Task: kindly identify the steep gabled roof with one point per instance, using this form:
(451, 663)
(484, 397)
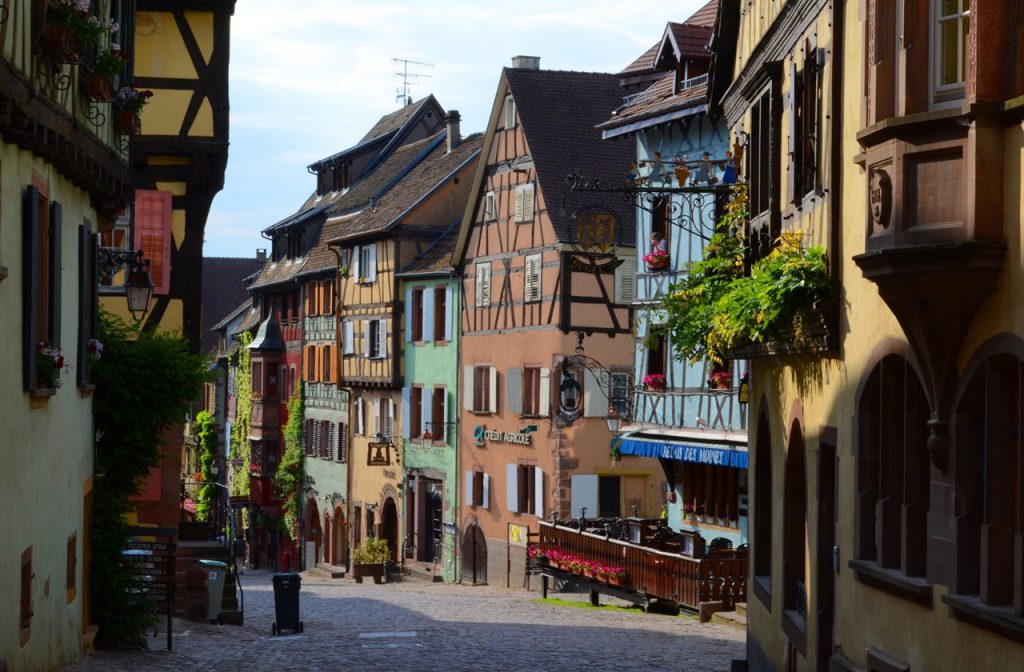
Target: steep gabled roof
(222, 289)
(643, 63)
(436, 259)
(705, 16)
(559, 111)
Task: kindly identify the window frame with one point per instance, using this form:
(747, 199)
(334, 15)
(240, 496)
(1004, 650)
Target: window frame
(490, 207)
(510, 112)
(947, 95)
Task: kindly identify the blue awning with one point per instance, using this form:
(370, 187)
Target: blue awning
(683, 450)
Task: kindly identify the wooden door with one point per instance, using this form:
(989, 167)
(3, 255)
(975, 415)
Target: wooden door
(474, 555)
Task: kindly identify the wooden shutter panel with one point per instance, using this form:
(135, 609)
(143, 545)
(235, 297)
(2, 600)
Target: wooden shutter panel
(544, 403)
(595, 404)
(29, 284)
(84, 294)
(444, 414)
(514, 386)
(468, 387)
(153, 235)
(625, 281)
(538, 492)
(492, 396)
(512, 488)
(406, 411)
(485, 498)
(448, 314)
(520, 204)
(469, 488)
(428, 314)
(528, 203)
(342, 442)
(355, 262)
(371, 272)
(408, 314)
(382, 335)
(792, 149)
(583, 493)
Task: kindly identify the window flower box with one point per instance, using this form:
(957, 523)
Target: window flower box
(127, 123)
(657, 260)
(720, 380)
(60, 44)
(97, 87)
(654, 382)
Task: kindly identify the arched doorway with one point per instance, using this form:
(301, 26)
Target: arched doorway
(328, 553)
(389, 526)
(313, 533)
(340, 537)
(474, 554)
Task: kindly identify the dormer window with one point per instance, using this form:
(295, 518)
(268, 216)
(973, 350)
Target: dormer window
(340, 177)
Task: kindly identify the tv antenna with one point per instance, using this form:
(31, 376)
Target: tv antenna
(408, 78)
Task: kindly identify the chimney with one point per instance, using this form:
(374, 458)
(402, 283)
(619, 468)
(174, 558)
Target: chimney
(261, 254)
(526, 62)
(451, 124)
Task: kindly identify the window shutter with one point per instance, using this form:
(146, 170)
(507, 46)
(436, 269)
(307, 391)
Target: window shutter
(153, 228)
(359, 417)
(30, 284)
(408, 315)
(583, 493)
(520, 209)
(514, 386)
(492, 397)
(382, 334)
(350, 336)
(595, 404)
(55, 273)
(485, 498)
(391, 417)
(448, 314)
(426, 409)
(469, 488)
(355, 262)
(333, 349)
(468, 387)
(406, 407)
(544, 403)
(512, 488)
(85, 283)
(366, 338)
(791, 190)
(342, 442)
(377, 429)
(428, 314)
(538, 492)
(527, 203)
(444, 414)
(625, 280)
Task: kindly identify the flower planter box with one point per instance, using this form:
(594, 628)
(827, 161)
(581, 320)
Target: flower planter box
(614, 580)
(127, 123)
(97, 87)
(654, 388)
(60, 44)
(661, 264)
(361, 571)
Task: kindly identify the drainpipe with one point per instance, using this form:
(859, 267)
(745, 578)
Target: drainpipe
(456, 332)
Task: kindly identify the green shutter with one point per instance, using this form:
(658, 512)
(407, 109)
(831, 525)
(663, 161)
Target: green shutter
(55, 274)
(29, 283)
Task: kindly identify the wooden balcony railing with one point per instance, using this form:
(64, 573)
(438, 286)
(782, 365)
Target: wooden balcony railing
(657, 574)
(712, 410)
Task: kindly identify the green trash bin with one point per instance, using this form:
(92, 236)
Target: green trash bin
(216, 575)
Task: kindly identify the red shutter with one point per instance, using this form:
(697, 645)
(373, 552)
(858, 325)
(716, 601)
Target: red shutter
(153, 235)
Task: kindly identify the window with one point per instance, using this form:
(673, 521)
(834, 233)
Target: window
(531, 273)
(439, 414)
(490, 211)
(328, 305)
(609, 494)
(893, 470)
(417, 314)
(762, 511)
(365, 268)
(342, 454)
(510, 112)
(415, 412)
(375, 339)
(484, 392)
(528, 390)
(524, 203)
(804, 125)
(483, 284)
(478, 486)
(525, 492)
(661, 217)
(118, 238)
(531, 390)
(152, 213)
(441, 320)
(989, 426)
(618, 392)
(657, 350)
(41, 222)
(763, 172)
(308, 437)
(952, 19)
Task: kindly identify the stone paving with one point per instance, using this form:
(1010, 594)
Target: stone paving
(414, 625)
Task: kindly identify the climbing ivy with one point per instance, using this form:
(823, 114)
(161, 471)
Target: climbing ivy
(207, 445)
(289, 476)
(243, 410)
(145, 383)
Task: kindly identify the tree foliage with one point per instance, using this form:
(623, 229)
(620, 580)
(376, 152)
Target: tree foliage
(243, 413)
(207, 446)
(145, 383)
(289, 476)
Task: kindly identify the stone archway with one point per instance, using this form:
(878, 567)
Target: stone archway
(339, 542)
(328, 552)
(313, 531)
(389, 526)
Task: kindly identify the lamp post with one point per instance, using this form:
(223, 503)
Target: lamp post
(570, 393)
(138, 286)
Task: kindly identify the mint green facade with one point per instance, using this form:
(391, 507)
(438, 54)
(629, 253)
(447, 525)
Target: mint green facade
(432, 487)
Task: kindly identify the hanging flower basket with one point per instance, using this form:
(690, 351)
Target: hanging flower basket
(60, 43)
(97, 87)
(127, 123)
(682, 174)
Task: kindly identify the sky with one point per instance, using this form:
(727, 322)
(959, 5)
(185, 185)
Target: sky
(308, 78)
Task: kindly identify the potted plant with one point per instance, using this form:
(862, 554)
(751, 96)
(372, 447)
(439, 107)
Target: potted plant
(98, 79)
(656, 260)
(368, 559)
(49, 362)
(720, 380)
(689, 511)
(129, 103)
(611, 575)
(69, 28)
(654, 381)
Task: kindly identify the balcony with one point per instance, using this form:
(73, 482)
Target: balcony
(652, 573)
(320, 328)
(325, 395)
(714, 410)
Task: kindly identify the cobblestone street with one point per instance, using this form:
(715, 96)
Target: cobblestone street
(416, 625)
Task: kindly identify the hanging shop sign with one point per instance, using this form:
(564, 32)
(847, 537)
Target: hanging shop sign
(378, 454)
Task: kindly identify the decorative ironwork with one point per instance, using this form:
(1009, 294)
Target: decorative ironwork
(54, 72)
(113, 259)
(570, 394)
(95, 116)
(696, 212)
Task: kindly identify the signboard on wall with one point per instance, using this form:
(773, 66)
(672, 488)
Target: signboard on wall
(378, 455)
(517, 534)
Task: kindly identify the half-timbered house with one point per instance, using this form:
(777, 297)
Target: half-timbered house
(684, 161)
(299, 285)
(532, 294)
(415, 198)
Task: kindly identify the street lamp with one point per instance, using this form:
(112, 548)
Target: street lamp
(614, 419)
(138, 286)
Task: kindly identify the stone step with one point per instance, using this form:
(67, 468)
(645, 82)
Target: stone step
(730, 618)
(333, 571)
(741, 609)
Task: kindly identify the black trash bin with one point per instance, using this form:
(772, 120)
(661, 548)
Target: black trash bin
(286, 603)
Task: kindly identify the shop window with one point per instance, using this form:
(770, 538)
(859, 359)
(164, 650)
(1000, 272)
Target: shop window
(711, 494)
